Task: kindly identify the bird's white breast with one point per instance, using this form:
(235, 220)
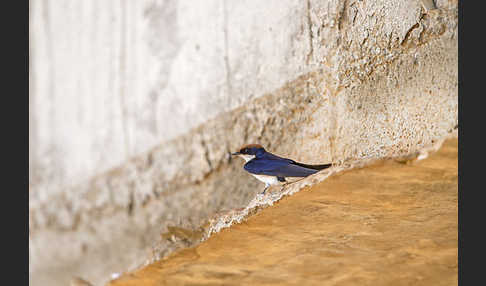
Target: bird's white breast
(247, 157)
(271, 180)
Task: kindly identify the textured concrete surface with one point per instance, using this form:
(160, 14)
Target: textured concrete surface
(133, 108)
(387, 224)
(112, 79)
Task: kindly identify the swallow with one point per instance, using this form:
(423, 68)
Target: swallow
(272, 169)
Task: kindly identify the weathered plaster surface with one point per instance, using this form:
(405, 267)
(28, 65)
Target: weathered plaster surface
(134, 107)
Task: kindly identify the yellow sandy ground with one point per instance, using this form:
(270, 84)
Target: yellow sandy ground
(386, 224)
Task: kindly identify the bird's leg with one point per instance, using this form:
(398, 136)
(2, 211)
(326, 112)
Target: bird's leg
(289, 183)
(284, 185)
(264, 190)
(299, 180)
(282, 180)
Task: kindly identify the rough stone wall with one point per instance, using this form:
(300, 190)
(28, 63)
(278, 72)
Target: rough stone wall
(165, 89)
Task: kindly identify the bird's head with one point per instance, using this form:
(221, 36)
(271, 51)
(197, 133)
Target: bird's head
(249, 151)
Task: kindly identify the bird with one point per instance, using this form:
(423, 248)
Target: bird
(272, 169)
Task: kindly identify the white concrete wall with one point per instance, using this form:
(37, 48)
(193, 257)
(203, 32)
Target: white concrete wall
(110, 79)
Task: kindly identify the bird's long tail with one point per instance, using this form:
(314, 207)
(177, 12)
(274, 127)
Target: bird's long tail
(314, 167)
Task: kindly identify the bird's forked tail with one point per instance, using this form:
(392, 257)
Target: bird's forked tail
(314, 167)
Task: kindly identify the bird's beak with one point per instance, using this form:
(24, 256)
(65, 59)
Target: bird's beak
(236, 153)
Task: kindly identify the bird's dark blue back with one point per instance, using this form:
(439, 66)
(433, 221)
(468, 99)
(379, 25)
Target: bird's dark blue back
(270, 156)
(272, 165)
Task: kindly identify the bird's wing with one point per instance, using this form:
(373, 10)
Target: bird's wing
(271, 156)
(279, 168)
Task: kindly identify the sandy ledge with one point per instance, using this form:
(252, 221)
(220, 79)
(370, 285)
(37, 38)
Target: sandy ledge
(392, 223)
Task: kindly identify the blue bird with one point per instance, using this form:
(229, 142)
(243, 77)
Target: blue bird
(272, 169)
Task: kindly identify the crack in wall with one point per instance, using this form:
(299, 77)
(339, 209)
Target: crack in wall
(226, 50)
(123, 71)
(407, 35)
(310, 55)
(206, 153)
(342, 14)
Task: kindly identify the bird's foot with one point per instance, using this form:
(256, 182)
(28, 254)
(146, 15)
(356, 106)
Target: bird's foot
(264, 190)
(284, 186)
